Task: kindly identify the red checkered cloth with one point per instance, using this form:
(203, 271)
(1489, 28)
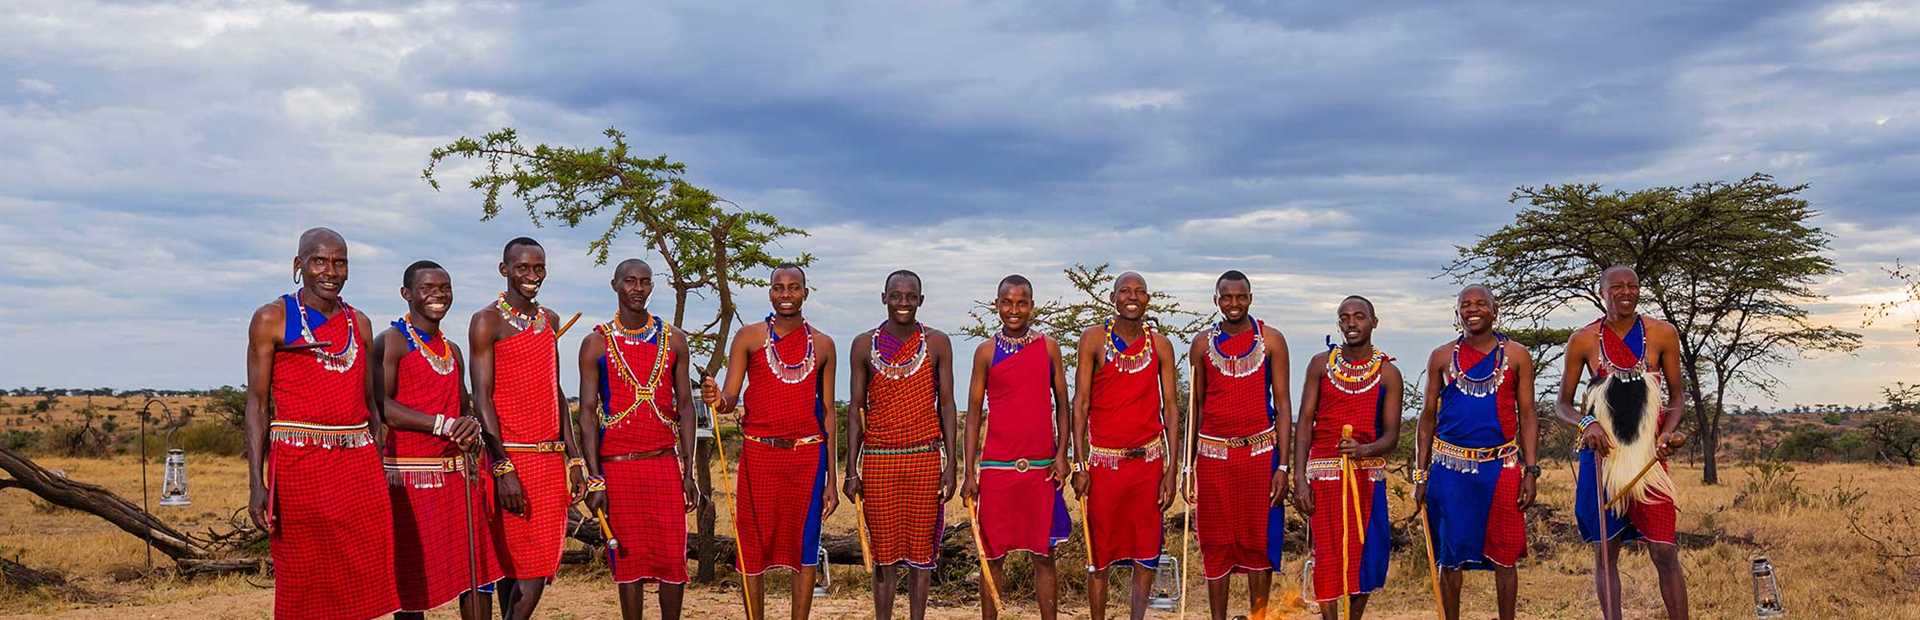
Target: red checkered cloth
(431, 527)
(776, 510)
(332, 543)
(902, 491)
(1123, 501)
(1337, 409)
(645, 502)
(525, 397)
(1234, 511)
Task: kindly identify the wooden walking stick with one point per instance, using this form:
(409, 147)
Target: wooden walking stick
(1346, 488)
(980, 551)
(1187, 475)
(569, 325)
(1600, 510)
(473, 544)
(1433, 566)
(1644, 470)
(733, 506)
(859, 513)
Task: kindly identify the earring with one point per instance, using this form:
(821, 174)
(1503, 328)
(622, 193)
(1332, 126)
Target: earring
(296, 276)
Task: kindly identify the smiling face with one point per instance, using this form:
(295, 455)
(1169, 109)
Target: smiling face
(787, 291)
(1015, 305)
(1620, 291)
(902, 298)
(430, 294)
(1130, 296)
(632, 285)
(1233, 297)
(525, 268)
(1477, 310)
(1357, 321)
(322, 265)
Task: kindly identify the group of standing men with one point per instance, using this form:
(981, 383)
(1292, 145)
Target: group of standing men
(392, 488)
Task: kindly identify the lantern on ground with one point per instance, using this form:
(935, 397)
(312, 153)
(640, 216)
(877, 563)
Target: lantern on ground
(1766, 590)
(1167, 588)
(173, 483)
(823, 578)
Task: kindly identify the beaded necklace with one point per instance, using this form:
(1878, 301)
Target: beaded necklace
(442, 362)
(1010, 345)
(519, 321)
(789, 373)
(643, 393)
(1342, 372)
(1129, 362)
(902, 370)
(1237, 366)
(335, 362)
(1623, 373)
(1479, 387)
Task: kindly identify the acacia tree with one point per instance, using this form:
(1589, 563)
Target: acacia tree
(1895, 433)
(1063, 320)
(707, 245)
(1730, 264)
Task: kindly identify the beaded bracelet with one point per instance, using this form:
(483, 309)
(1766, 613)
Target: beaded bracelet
(439, 425)
(596, 484)
(1419, 476)
(1587, 421)
(502, 468)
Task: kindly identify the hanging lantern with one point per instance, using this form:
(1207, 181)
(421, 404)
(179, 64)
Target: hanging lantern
(823, 578)
(1306, 583)
(1766, 590)
(1167, 589)
(173, 484)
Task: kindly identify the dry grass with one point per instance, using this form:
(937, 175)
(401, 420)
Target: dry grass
(1799, 519)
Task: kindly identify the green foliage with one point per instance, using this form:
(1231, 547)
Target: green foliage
(1894, 435)
(707, 244)
(1064, 320)
(230, 404)
(209, 437)
(1731, 265)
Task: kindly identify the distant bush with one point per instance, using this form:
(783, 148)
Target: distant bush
(1834, 418)
(1806, 442)
(206, 437)
(18, 439)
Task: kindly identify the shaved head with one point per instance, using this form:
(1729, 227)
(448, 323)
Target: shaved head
(631, 263)
(1479, 288)
(1617, 271)
(1131, 275)
(314, 237)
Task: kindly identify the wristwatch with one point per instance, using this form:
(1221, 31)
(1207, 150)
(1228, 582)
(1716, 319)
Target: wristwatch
(1533, 470)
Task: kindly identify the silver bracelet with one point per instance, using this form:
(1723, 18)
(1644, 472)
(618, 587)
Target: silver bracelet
(440, 425)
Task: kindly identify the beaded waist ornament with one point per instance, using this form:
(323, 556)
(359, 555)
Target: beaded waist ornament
(1018, 465)
(1375, 468)
(934, 445)
(421, 472)
(1110, 457)
(1468, 460)
(302, 434)
(785, 443)
(535, 447)
(1216, 447)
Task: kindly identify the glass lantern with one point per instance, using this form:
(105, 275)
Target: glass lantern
(1766, 590)
(1167, 589)
(823, 578)
(173, 483)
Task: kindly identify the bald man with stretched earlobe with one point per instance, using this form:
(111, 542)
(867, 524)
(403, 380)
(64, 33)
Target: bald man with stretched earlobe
(314, 471)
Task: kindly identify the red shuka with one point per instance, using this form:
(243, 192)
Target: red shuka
(1234, 513)
(645, 501)
(901, 461)
(1123, 497)
(430, 524)
(776, 510)
(526, 393)
(332, 542)
(1019, 424)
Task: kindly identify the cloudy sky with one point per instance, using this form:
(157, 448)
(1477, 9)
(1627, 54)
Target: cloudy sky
(157, 161)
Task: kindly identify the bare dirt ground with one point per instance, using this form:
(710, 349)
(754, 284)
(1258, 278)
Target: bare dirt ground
(1800, 519)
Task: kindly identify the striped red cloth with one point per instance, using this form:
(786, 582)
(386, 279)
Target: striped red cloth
(777, 509)
(902, 491)
(430, 524)
(645, 502)
(1123, 498)
(525, 397)
(1234, 515)
(332, 543)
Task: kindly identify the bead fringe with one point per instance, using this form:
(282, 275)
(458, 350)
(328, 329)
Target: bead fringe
(328, 440)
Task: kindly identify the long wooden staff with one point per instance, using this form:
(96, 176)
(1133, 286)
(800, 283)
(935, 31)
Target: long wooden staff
(1187, 471)
(1433, 567)
(733, 506)
(980, 551)
(1346, 467)
(569, 325)
(859, 513)
(473, 544)
(1643, 473)
(1600, 510)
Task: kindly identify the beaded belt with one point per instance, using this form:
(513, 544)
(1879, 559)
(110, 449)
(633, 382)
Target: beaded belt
(1217, 447)
(537, 447)
(786, 444)
(1329, 469)
(635, 456)
(931, 445)
(303, 434)
(1468, 460)
(1019, 465)
(421, 472)
(1110, 457)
